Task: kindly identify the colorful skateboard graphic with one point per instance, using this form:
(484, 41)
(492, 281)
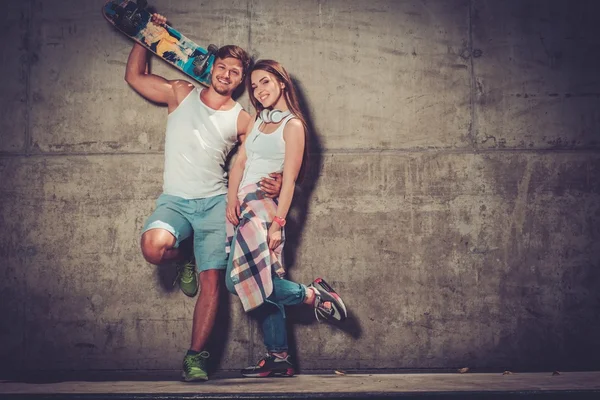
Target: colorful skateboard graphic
(133, 20)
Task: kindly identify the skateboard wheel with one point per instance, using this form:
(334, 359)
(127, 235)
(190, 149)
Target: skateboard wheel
(199, 70)
(130, 25)
(200, 60)
(212, 49)
(142, 3)
(200, 64)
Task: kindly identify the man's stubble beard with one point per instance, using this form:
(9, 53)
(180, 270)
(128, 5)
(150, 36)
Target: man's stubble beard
(222, 92)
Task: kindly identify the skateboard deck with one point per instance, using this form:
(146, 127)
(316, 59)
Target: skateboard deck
(133, 19)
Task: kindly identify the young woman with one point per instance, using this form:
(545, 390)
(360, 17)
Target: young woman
(255, 224)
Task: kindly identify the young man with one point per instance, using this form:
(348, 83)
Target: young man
(202, 128)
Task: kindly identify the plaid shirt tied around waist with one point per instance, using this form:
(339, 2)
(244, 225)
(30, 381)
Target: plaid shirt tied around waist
(253, 261)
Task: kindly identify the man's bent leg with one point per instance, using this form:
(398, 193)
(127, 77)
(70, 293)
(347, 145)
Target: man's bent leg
(158, 246)
(165, 229)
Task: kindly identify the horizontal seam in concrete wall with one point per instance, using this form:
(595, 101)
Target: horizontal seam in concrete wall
(330, 152)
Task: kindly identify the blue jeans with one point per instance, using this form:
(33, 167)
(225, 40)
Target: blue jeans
(271, 314)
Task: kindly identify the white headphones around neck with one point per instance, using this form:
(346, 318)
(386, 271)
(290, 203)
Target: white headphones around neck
(274, 116)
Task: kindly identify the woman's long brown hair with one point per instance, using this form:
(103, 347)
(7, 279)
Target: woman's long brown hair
(291, 99)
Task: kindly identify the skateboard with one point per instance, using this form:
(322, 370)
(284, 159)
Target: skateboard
(133, 19)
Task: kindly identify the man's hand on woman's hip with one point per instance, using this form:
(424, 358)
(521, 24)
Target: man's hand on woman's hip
(272, 185)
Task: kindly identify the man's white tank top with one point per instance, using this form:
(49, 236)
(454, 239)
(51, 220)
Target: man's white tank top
(197, 143)
(265, 153)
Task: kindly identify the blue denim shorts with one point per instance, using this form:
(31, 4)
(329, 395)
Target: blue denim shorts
(202, 218)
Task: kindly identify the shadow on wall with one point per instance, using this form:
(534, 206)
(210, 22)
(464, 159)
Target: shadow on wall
(296, 222)
(301, 203)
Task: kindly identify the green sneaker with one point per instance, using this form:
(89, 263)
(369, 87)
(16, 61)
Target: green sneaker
(187, 278)
(194, 367)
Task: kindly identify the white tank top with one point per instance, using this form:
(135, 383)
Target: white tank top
(265, 153)
(197, 143)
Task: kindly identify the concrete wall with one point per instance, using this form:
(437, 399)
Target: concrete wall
(454, 198)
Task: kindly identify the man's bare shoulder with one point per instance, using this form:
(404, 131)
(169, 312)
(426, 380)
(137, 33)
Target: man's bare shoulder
(181, 88)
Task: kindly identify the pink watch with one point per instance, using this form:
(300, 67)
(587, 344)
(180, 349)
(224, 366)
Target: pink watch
(280, 221)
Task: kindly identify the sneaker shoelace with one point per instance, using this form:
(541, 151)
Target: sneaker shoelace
(319, 305)
(200, 358)
(262, 361)
(185, 272)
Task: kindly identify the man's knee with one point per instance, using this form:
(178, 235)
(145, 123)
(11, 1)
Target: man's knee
(154, 243)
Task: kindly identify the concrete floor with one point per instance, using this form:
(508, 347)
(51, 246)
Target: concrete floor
(568, 385)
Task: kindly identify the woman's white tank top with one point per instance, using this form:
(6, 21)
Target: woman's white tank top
(265, 153)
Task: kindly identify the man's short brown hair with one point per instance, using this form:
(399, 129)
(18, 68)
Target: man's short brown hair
(233, 51)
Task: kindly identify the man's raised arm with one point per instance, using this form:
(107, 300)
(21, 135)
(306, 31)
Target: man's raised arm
(153, 87)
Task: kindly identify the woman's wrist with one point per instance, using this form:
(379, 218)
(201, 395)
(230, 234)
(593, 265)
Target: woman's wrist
(279, 221)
